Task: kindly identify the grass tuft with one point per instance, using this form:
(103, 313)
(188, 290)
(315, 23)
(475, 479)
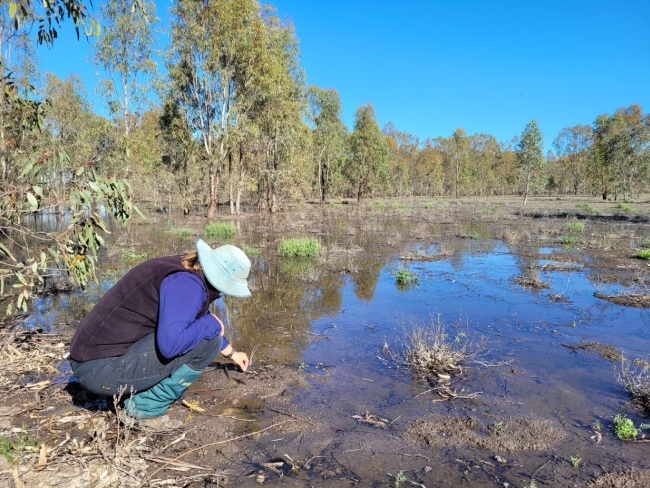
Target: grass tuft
(222, 230)
(588, 208)
(643, 254)
(430, 349)
(184, 233)
(129, 255)
(625, 208)
(634, 376)
(406, 277)
(303, 247)
(575, 226)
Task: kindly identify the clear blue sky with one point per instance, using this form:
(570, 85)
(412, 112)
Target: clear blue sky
(433, 66)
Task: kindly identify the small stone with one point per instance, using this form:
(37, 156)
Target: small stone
(428, 469)
(501, 460)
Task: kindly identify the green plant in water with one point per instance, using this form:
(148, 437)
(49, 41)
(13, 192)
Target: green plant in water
(302, 367)
(184, 233)
(303, 247)
(400, 479)
(624, 428)
(569, 240)
(428, 205)
(405, 277)
(575, 461)
(588, 208)
(643, 254)
(250, 251)
(575, 226)
(222, 230)
(131, 255)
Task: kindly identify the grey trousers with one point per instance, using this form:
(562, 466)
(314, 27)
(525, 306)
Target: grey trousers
(141, 367)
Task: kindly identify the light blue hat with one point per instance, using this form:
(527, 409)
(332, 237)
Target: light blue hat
(225, 267)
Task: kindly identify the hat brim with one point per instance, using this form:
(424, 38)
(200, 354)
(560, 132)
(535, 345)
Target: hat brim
(217, 275)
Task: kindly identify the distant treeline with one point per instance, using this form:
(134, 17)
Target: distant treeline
(238, 124)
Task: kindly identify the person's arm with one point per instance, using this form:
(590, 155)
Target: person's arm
(182, 296)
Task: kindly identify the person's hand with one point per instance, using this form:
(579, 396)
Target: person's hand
(220, 323)
(240, 359)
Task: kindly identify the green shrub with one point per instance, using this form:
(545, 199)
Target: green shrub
(428, 205)
(575, 226)
(569, 240)
(643, 254)
(624, 428)
(304, 247)
(222, 230)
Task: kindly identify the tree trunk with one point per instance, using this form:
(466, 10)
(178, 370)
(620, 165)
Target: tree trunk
(214, 183)
(230, 184)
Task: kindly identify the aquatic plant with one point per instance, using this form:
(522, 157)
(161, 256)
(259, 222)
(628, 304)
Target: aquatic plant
(575, 461)
(643, 254)
(222, 230)
(184, 233)
(304, 247)
(575, 226)
(624, 428)
(569, 240)
(406, 277)
(250, 251)
(129, 255)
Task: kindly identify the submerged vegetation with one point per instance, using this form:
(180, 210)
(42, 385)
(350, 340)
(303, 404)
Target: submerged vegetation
(624, 428)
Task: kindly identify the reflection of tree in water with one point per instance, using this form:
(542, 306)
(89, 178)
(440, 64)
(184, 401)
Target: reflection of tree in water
(288, 296)
(366, 279)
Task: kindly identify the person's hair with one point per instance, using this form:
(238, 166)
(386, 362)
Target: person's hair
(190, 261)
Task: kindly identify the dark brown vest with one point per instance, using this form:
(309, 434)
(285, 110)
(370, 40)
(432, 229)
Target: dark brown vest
(128, 311)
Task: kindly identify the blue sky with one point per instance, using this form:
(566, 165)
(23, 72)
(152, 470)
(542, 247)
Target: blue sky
(433, 66)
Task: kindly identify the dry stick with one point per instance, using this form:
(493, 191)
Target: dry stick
(215, 444)
(292, 416)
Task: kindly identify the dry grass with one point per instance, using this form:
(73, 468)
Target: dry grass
(634, 376)
(432, 349)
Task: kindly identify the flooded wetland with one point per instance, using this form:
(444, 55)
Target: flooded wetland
(544, 311)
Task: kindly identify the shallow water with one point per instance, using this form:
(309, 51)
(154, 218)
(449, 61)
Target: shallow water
(331, 317)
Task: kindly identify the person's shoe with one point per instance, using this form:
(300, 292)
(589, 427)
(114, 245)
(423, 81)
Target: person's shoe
(154, 402)
(159, 424)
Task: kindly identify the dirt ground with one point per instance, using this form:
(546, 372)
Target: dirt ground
(246, 429)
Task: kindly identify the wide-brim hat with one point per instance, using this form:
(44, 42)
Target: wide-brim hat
(226, 268)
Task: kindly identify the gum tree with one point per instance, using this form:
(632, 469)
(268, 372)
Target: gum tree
(530, 159)
(28, 258)
(328, 135)
(367, 169)
(125, 53)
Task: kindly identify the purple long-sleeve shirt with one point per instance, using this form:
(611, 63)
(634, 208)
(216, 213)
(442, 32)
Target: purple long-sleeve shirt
(182, 296)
